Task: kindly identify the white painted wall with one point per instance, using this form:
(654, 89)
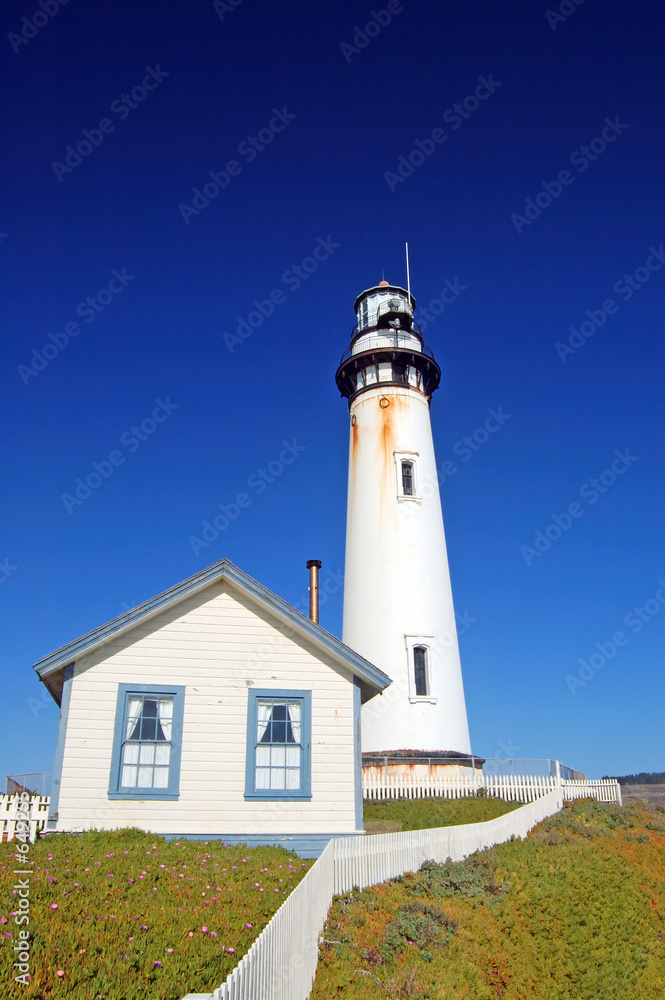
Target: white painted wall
(397, 584)
(217, 644)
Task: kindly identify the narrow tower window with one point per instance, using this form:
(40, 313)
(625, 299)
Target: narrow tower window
(407, 479)
(420, 670)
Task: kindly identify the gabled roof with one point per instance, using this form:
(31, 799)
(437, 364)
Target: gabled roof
(372, 680)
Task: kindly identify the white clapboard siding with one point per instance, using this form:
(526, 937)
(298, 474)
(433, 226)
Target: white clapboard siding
(219, 645)
(281, 964)
(37, 810)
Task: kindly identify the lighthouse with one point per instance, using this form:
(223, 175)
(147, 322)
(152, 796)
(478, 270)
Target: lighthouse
(398, 604)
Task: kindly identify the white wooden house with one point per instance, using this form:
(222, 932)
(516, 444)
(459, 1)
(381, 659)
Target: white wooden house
(214, 710)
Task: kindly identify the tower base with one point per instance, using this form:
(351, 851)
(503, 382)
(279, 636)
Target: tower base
(422, 764)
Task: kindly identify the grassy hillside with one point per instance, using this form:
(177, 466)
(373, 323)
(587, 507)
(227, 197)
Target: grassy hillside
(575, 912)
(423, 814)
(126, 915)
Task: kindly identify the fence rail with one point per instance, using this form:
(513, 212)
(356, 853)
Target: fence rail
(37, 809)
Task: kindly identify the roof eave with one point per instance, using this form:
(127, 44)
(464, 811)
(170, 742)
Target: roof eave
(372, 679)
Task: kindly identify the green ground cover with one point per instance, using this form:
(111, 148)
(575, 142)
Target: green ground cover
(574, 912)
(423, 814)
(125, 915)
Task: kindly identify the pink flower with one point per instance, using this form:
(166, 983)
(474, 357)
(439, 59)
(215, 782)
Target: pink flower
(204, 929)
(3, 920)
(54, 906)
(248, 926)
(60, 973)
(143, 927)
(213, 934)
(231, 951)
(256, 884)
(130, 939)
(169, 951)
(158, 965)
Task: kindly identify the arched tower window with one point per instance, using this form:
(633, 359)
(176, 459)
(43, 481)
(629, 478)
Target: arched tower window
(407, 479)
(420, 671)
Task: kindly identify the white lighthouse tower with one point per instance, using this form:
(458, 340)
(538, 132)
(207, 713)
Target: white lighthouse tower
(398, 604)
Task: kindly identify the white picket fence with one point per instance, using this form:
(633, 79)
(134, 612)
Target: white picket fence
(37, 812)
(511, 787)
(604, 790)
(281, 964)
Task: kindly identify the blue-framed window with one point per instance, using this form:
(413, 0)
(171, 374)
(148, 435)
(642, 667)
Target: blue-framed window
(147, 742)
(279, 734)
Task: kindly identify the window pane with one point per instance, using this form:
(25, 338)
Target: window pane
(161, 777)
(162, 753)
(278, 756)
(129, 777)
(420, 670)
(145, 777)
(407, 479)
(147, 753)
(263, 777)
(276, 778)
(148, 728)
(293, 777)
(293, 756)
(130, 753)
(263, 756)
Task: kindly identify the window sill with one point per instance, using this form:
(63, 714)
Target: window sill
(423, 699)
(402, 499)
(275, 795)
(144, 793)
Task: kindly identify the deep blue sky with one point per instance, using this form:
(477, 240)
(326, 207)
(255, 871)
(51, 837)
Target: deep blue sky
(323, 176)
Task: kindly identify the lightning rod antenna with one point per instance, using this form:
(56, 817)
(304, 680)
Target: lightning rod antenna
(408, 279)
